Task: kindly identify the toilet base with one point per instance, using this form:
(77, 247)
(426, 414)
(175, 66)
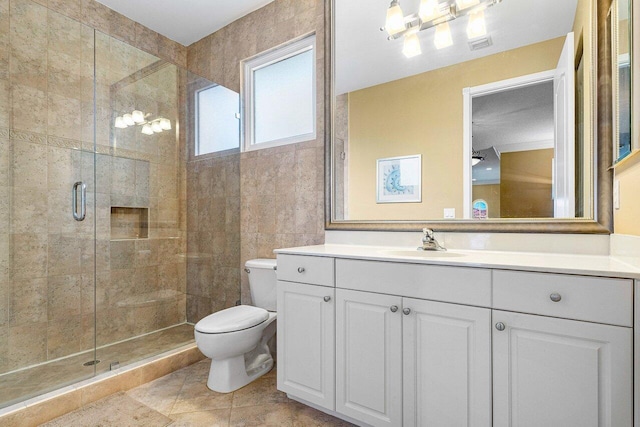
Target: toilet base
(230, 374)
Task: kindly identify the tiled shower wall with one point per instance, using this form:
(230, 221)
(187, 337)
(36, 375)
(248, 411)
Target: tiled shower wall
(46, 143)
(281, 189)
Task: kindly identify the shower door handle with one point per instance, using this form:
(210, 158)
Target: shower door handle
(79, 216)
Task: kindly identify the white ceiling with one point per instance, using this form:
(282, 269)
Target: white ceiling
(364, 56)
(185, 21)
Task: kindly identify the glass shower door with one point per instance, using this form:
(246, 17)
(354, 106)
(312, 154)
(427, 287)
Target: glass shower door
(46, 147)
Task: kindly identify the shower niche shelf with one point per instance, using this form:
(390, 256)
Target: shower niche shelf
(129, 223)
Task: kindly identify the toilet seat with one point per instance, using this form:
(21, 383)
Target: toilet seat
(232, 320)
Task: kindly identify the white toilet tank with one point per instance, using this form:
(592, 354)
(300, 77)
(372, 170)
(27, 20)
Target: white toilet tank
(262, 282)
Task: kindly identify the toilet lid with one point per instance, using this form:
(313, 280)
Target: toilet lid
(232, 319)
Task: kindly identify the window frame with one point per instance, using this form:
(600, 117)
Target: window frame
(248, 66)
(196, 117)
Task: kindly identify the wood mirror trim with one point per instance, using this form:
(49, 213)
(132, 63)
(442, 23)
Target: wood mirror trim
(603, 222)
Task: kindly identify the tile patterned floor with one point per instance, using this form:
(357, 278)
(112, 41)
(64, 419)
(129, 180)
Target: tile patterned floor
(182, 399)
(20, 385)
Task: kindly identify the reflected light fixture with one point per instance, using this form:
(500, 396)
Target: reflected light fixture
(435, 13)
(476, 27)
(476, 157)
(165, 124)
(395, 19)
(155, 126)
(137, 116)
(147, 130)
(443, 38)
(128, 120)
(411, 45)
(120, 124)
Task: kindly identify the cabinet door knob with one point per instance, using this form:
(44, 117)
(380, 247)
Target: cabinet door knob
(301, 270)
(500, 326)
(406, 311)
(393, 308)
(555, 297)
(327, 299)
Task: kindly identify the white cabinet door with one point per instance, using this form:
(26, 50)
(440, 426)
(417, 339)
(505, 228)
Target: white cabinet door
(306, 342)
(560, 373)
(369, 357)
(447, 364)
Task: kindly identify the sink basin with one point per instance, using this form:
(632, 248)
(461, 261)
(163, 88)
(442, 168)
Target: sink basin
(425, 254)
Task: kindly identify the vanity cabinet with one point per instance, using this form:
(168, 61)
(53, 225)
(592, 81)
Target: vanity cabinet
(558, 373)
(306, 342)
(432, 345)
(411, 362)
(369, 357)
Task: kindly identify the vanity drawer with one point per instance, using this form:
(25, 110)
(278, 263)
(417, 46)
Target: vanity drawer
(306, 269)
(594, 299)
(461, 285)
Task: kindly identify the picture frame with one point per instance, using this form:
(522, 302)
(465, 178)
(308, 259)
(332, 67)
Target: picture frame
(399, 179)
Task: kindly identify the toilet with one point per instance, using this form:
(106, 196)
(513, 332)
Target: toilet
(236, 339)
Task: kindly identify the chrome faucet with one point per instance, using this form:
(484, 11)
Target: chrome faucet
(429, 242)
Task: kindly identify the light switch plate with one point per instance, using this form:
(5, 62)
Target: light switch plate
(449, 213)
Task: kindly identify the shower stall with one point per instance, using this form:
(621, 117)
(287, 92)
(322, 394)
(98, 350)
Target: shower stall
(93, 203)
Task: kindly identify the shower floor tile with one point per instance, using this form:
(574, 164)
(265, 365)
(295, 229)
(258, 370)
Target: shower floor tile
(20, 385)
(183, 398)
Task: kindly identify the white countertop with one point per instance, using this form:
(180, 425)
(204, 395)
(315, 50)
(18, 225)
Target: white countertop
(591, 265)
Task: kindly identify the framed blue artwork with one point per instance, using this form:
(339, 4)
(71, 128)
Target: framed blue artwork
(399, 179)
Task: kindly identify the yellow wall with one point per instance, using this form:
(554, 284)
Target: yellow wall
(422, 114)
(627, 218)
(525, 184)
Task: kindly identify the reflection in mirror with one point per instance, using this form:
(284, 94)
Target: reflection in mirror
(621, 42)
(388, 105)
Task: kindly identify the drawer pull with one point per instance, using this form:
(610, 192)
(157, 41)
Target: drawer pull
(406, 311)
(555, 297)
(300, 270)
(327, 299)
(500, 326)
(393, 308)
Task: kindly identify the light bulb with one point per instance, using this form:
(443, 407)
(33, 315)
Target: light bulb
(395, 19)
(429, 10)
(128, 119)
(155, 126)
(465, 4)
(476, 27)
(120, 124)
(443, 36)
(411, 45)
(146, 129)
(137, 116)
(165, 124)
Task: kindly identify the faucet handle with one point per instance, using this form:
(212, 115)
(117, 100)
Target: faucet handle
(428, 232)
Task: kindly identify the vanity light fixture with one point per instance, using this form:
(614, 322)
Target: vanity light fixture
(395, 19)
(435, 13)
(120, 124)
(443, 37)
(128, 120)
(137, 116)
(476, 27)
(411, 46)
(155, 125)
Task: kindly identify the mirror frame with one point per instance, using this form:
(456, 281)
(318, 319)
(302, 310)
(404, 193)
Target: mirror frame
(602, 177)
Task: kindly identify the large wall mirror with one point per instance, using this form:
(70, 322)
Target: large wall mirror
(468, 115)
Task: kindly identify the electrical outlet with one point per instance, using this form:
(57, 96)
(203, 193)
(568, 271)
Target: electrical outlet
(449, 213)
(616, 194)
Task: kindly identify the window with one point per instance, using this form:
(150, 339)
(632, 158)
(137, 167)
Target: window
(279, 93)
(217, 120)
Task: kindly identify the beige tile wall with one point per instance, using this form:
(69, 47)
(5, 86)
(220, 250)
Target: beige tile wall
(281, 189)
